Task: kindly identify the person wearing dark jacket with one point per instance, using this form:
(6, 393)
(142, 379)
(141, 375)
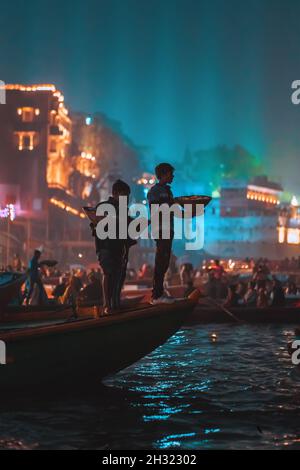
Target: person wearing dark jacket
(112, 254)
(160, 194)
(277, 294)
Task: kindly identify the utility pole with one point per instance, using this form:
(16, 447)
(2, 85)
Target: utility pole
(28, 238)
(7, 241)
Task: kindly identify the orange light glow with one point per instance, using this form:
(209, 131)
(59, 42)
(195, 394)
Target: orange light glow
(27, 140)
(281, 234)
(67, 208)
(40, 87)
(262, 197)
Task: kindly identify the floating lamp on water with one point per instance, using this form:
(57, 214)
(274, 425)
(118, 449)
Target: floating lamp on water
(214, 337)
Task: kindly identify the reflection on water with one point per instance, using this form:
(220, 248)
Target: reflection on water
(218, 386)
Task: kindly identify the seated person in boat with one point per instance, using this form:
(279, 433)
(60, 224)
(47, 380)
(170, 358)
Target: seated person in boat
(233, 299)
(189, 288)
(71, 293)
(113, 254)
(277, 294)
(217, 279)
(131, 274)
(91, 292)
(173, 263)
(159, 194)
(241, 289)
(262, 298)
(260, 276)
(59, 290)
(250, 297)
(291, 289)
(268, 288)
(146, 272)
(186, 273)
(17, 263)
(218, 269)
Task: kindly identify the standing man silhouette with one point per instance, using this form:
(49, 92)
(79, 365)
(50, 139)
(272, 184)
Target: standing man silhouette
(159, 194)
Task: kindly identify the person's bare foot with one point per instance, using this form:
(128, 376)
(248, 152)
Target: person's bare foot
(107, 311)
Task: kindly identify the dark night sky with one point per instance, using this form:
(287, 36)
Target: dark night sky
(175, 73)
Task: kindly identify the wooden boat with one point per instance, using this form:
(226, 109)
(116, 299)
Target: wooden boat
(205, 313)
(127, 302)
(44, 313)
(148, 282)
(174, 291)
(10, 285)
(21, 313)
(144, 283)
(87, 350)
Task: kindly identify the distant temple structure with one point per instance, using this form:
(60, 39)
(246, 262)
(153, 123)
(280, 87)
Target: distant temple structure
(259, 197)
(246, 221)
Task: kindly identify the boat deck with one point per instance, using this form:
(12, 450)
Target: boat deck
(89, 317)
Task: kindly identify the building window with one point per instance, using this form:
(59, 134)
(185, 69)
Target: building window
(28, 113)
(53, 146)
(26, 144)
(27, 140)
(293, 236)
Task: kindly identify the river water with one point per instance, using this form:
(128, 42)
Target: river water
(238, 392)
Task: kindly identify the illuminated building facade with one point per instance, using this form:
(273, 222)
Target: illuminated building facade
(289, 224)
(35, 135)
(258, 198)
(36, 169)
(243, 221)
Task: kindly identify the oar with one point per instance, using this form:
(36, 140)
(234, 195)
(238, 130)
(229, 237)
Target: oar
(225, 310)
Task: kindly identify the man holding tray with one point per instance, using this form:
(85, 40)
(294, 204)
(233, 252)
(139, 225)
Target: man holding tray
(159, 194)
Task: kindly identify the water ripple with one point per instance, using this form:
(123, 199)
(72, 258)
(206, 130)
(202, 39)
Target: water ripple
(212, 387)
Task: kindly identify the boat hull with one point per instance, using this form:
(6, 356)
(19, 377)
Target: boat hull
(87, 350)
(22, 314)
(204, 314)
(14, 315)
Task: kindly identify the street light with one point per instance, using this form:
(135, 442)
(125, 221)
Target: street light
(8, 213)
